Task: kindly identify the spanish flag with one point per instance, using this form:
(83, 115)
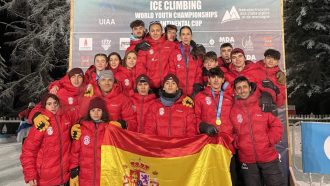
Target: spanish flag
(133, 159)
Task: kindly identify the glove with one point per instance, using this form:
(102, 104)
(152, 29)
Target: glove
(196, 88)
(205, 128)
(75, 132)
(266, 103)
(115, 123)
(89, 91)
(74, 178)
(188, 102)
(281, 78)
(40, 121)
(123, 123)
(269, 84)
(142, 46)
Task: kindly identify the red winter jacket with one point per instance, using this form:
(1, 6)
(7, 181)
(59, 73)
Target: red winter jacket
(68, 95)
(118, 106)
(251, 71)
(86, 153)
(133, 44)
(256, 132)
(155, 62)
(270, 74)
(125, 78)
(45, 155)
(174, 121)
(141, 105)
(222, 63)
(188, 73)
(206, 108)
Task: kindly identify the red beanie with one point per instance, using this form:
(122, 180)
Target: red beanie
(171, 77)
(74, 71)
(237, 50)
(97, 102)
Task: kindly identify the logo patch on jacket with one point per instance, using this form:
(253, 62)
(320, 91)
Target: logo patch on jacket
(161, 111)
(208, 100)
(179, 57)
(126, 82)
(87, 140)
(134, 108)
(70, 100)
(151, 51)
(239, 118)
(179, 110)
(50, 131)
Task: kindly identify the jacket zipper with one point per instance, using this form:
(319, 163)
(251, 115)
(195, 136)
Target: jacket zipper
(60, 138)
(251, 134)
(95, 144)
(161, 65)
(187, 72)
(141, 115)
(170, 123)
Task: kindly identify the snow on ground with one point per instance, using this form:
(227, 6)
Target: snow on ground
(10, 167)
(11, 170)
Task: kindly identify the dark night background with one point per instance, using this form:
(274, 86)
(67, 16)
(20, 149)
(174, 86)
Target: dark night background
(34, 41)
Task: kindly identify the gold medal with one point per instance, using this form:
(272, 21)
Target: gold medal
(218, 122)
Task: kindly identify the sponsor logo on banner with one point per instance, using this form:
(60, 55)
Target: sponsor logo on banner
(211, 42)
(268, 41)
(85, 44)
(85, 61)
(247, 43)
(227, 39)
(250, 57)
(106, 44)
(139, 174)
(107, 21)
(231, 15)
(124, 43)
(245, 13)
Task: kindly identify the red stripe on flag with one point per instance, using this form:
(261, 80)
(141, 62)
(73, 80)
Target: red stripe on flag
(155, 146)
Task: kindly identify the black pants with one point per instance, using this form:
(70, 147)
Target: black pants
(255, 174)
(236, 176)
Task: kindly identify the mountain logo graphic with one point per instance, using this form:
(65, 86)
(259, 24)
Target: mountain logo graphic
(230, 16)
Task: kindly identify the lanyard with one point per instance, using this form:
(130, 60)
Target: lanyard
(219, 106)
(184, 54)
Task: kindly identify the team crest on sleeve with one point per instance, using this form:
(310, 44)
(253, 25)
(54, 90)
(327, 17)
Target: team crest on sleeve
(179, 57)
(126, 82)
(87, 140)
(161, 111)
(50, 131)
(151, 51)
(70, 100)
(208, 100)
(239, 118)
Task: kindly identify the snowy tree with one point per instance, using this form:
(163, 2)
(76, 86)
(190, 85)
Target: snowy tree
(40, 47)
(307, 39)
(3, 72)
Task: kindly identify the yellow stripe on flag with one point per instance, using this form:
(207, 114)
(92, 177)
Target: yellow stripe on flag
(209, 167)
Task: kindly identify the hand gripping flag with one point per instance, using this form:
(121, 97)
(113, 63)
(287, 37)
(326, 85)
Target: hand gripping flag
(133, 159)
(315, 147)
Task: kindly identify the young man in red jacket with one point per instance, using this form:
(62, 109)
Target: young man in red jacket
(224, 59)
(136, 38)
(256, 133)
(142, 99)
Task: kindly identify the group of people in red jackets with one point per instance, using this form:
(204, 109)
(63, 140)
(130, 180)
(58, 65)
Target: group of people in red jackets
(162, 87)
